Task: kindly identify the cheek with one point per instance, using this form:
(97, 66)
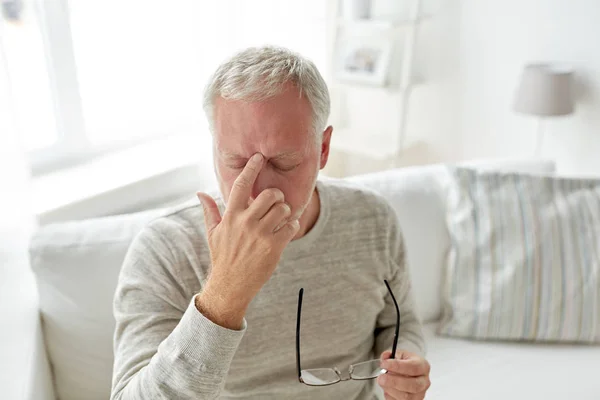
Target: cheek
(298, 186)
(226, 177)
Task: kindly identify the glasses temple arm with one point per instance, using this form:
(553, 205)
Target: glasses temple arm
(397, 320)
(299, 368)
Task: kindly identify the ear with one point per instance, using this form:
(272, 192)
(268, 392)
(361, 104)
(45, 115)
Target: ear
(325, 145)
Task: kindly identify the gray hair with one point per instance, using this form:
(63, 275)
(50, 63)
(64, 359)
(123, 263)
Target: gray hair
(259, 73)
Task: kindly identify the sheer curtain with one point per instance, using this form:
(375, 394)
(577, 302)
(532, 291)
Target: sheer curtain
(19, 317)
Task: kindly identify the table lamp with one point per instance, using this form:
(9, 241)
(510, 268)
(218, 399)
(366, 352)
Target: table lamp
(545, 90)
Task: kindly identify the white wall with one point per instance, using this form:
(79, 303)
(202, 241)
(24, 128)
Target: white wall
(471, 55)
(432, 128)
(496, 39)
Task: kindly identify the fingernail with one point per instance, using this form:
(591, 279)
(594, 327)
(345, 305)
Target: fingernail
(257, 157)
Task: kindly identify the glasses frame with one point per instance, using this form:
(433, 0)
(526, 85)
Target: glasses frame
(351, 368)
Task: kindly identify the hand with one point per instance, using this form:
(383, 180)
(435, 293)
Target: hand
(245, 246)
(407, 376)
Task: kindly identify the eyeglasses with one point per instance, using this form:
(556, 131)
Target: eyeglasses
(329, 376)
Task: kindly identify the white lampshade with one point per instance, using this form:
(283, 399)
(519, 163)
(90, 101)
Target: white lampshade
(545, 90)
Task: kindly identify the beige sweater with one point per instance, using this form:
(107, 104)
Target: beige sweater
(166, 349)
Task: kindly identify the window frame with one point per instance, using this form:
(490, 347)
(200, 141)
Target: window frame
(73, 146)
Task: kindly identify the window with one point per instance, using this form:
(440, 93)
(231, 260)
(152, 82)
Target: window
(90, 76)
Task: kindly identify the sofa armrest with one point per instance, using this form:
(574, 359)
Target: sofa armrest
(24, 368)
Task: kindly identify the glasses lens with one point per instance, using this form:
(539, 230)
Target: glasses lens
(320, 377)
(366, 370)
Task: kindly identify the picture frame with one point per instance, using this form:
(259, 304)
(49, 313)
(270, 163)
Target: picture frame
(364, 60)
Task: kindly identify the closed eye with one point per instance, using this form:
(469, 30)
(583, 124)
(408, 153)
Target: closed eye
(284, 168)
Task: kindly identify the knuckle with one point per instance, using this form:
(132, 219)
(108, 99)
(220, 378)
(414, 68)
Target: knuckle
(414, 369)
(426, 385)
(241, 182)
(286, 210)
(267, 245)
(418, 385)
(293, 226)
(273, 194)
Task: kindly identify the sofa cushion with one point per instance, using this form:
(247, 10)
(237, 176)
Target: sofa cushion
(525, 257)
(76, 265)
(416, 194)
(476, 370)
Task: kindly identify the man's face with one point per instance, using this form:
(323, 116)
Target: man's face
(281, 130)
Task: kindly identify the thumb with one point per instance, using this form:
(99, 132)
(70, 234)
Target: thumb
(212, 216)
(386, 355)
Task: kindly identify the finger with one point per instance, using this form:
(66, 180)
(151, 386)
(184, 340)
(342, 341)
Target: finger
(276, 217)
(212, 216)
(391, 394)
(242, 187)
(386, 354)
(404, 384)
(400, 355)
(287, 232)
(264, 201)
(409, 367)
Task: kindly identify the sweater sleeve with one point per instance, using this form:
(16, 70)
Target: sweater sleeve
(410, 335)
(164, 348)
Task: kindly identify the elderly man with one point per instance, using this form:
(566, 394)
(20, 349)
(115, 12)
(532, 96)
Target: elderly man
(208, 302)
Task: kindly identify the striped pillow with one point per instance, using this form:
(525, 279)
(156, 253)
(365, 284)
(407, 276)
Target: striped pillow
(524, 262)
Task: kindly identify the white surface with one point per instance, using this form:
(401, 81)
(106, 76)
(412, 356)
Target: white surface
(23, 362)
(111, 172)
(471, 54)
(24, 369)
(432, 115)
(394, 68)
(355, 135)
(77, 266)
(469, 370)
(497, 38)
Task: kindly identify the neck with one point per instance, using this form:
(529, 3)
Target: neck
(310, 215)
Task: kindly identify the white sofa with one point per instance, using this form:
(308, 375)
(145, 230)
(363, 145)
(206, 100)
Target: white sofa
(76, 265)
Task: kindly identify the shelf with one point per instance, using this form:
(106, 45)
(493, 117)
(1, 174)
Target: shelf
(375, 146)
(391, 90)
(381, 24)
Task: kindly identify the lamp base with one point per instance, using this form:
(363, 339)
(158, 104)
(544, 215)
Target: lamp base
(539, 137)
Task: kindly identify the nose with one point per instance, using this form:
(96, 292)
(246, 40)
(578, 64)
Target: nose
(263, 181)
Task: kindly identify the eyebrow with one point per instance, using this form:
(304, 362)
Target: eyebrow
(280, 156)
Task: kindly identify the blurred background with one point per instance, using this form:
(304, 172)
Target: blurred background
(101, 114)
(100, 102)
